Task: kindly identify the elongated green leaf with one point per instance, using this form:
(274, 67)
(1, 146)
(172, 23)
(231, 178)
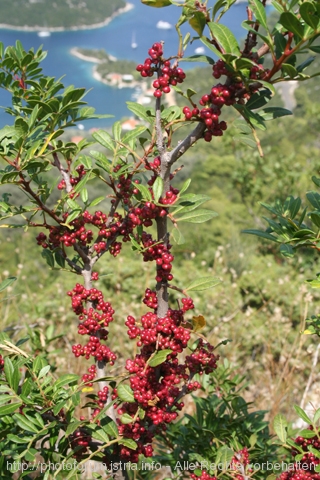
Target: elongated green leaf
(25, 423)
(246, 140)
(8, 409)
(198, 58)
(111, 428)
(66, 379)
(270, 113)
(116, 130)
(280, 425)
(146, 195)
(100, 435)
(156, 3)
(129, 443)
(44, 371)
(259, 12)
(198, 22)
(203, 283)
(126, 418)
(286, 251)
(132, 134)
(259, 99)
(145, 113)
(197, 216)
(260, 233)
(159, 358)
(308, 13)
(125, 393)
(291, 23)
(177, 236)
(185, 186)
(157, 188)
(302, 414)
(305, 433)
(96, 201)
(6, 283)
(314, 199)
(225, 38)
(104, 139)
(316, 416)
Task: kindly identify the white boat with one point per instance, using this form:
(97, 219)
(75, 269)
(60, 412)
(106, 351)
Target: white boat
(133, 41)
(164, 25)
(44, 33)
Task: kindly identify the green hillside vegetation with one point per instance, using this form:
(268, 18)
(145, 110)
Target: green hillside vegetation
(59, 13)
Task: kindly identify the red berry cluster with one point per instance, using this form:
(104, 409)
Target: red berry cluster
(160, 253)
(229, 93)
(94, 314)
(157, 390)
(167, 74)
(1, 363)
(240, 462)
(87, 378)
(80, 438)
(304, 469)
(204, 476)
(202, 360)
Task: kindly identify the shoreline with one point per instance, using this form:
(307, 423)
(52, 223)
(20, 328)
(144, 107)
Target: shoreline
(36, 28)
(75, 52)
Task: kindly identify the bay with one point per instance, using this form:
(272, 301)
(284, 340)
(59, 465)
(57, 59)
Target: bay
(116, 38)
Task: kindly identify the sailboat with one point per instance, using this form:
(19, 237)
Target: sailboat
(133, 41)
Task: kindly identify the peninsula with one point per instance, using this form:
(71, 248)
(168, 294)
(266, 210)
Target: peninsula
(33, 15)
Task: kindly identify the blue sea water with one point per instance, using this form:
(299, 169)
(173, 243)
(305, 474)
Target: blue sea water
(116, 39)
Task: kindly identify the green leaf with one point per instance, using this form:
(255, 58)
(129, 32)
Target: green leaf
(314, 199)
(203, 283)
(10, 408)
(12, 374)
(286, 251)
(145, 193)
(132, 134)
(198, 58)
(185, 186)
(104, 139)
(198, 22)
(96, 201)
(6, 283)
(157, 188)
(197, 216)
(116, 130)
(177, 236)
(316, 416)
(305, 433)
(159, 358)
(66, 379)
(259, 12)
(280, 424)
(48, 255)
(145, 113)
(44, 371)
(25, 423)
(261, 234)
(270, 113)
(100, 435)
(308, 13)
(225, 38)
(126, 418)
(111, 428)
(246, 140)
(302, 414)
(291, 23)
(156, 3)
(129, 443)
(259, 99)
(125, 393)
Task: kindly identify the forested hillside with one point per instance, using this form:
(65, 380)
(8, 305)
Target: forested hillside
(61, 13)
